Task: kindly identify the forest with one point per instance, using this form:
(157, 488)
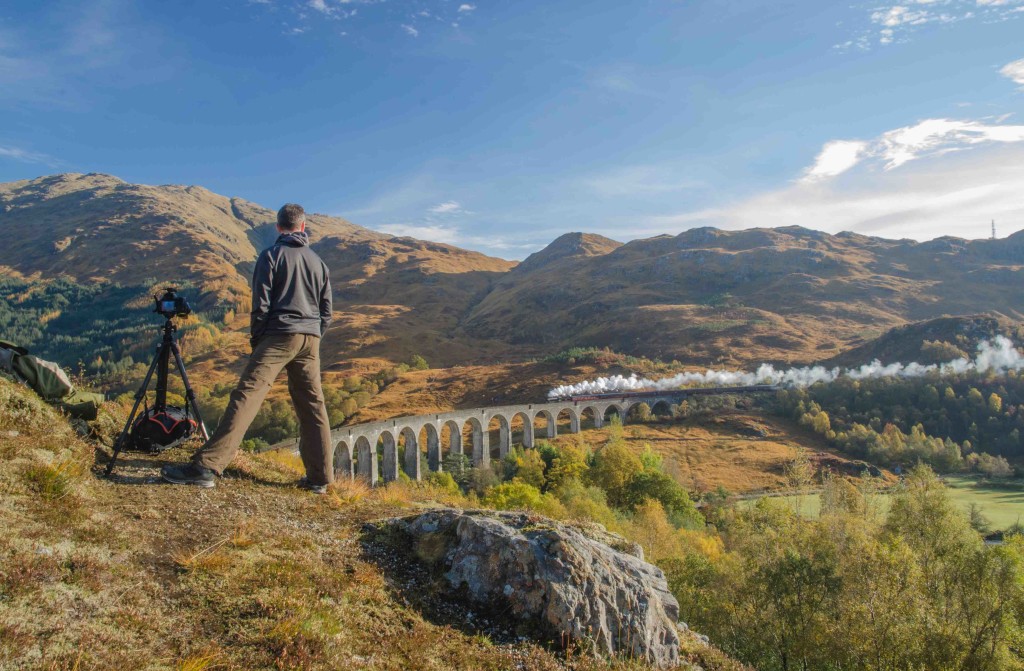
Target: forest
(915, 587)
(962, 422)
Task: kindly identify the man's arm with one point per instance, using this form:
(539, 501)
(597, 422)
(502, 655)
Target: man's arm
(325, 303)
(262, 282)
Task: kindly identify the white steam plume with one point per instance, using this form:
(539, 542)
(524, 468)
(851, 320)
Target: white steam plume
(999, 356)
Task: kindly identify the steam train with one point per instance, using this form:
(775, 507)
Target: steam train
(694, 391)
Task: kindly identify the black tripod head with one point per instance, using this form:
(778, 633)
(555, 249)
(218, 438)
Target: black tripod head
(171, 304)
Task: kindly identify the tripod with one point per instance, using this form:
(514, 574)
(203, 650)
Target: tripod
(161, 364)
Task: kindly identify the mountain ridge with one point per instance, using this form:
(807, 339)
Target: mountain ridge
(706, 295)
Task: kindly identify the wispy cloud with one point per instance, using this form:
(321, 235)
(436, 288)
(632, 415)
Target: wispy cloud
(898, 21)
(445, 234)
(639, 180)
(47, 62)
(1014, 71)
(447, 207)
(498, 245)
(26, 156)
(623, 78)
(412, 17)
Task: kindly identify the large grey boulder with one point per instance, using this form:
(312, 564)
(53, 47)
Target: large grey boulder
(577, 583)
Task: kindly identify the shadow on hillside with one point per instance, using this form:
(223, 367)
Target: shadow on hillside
(420, 584)
(135, 468)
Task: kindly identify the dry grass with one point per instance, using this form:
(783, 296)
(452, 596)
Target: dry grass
(741, 451)
(200, 663)
(286, 458)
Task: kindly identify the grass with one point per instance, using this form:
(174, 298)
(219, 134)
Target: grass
(1002, 503)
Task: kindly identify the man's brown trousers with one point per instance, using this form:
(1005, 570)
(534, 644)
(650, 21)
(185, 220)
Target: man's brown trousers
(300, 356)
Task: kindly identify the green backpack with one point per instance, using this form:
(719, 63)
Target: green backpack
(48, 380)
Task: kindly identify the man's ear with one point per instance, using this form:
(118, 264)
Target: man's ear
(302, 227)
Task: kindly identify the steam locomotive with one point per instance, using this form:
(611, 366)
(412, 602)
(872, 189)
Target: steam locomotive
(694, 391)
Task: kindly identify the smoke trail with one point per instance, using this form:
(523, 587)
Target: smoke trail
(999, 356)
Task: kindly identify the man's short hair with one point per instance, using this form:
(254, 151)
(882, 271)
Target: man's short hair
(290, 217)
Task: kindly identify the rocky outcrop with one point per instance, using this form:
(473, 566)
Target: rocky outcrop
(574, 583)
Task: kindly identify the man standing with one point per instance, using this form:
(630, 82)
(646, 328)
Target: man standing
(291, 308)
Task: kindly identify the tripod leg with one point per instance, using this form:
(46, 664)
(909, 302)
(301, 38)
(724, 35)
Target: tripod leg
(123, 438)
(190, 395)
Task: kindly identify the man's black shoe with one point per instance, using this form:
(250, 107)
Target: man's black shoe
(189, 474)
(304, 483)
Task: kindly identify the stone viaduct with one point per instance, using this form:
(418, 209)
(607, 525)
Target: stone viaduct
(371, 451)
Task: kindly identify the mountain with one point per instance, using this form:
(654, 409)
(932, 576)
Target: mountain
(393, 296)
(99, 228)
(705, 296)
(788, 294)
(565, 247)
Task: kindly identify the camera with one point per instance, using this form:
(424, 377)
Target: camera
(172, 305)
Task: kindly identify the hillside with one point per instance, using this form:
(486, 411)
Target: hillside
(129, 573)
(402, 296)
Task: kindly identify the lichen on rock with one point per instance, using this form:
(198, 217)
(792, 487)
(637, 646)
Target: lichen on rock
(573, 582)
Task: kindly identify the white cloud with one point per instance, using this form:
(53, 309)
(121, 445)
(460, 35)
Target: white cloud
(410, 30)
(466, 8)
(447, 207)
(957, 194)
(939, 136)
(836, 157)
(1014, 71)
(892, 149)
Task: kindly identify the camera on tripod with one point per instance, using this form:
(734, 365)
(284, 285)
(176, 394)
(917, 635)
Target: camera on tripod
(162, 426)
(172, 305)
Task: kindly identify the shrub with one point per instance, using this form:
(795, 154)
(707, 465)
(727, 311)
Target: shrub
(521, 496)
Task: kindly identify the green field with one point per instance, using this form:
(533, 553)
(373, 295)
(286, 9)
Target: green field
(1002, 503)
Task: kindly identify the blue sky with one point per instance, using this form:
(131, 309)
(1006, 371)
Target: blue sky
(499, 125)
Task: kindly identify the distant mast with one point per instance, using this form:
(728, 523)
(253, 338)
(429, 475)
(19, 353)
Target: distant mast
(993, 229)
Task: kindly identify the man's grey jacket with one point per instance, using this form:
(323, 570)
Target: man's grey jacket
(291, 290)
